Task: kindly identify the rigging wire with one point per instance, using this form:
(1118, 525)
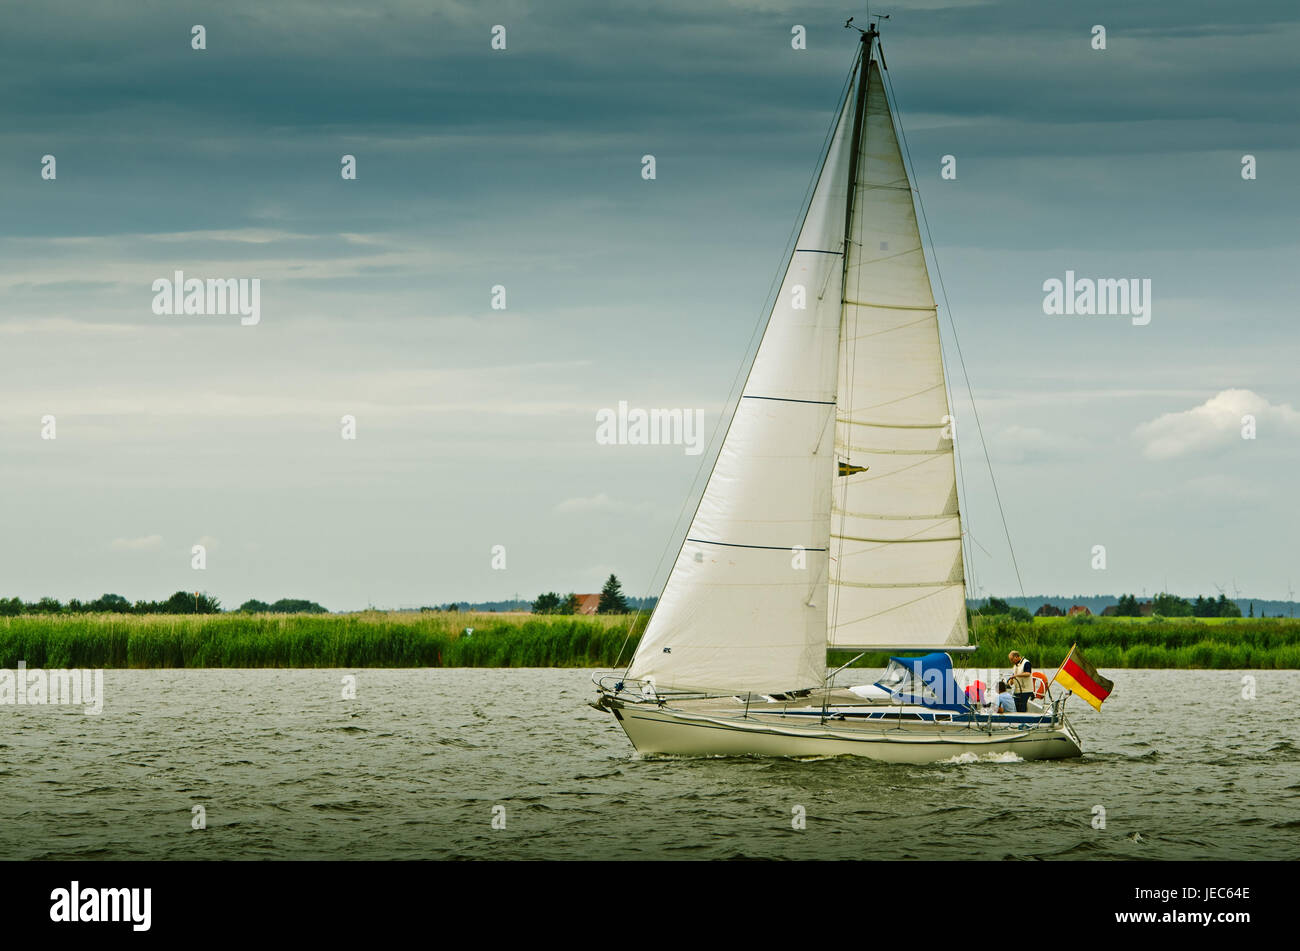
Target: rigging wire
(956, 342)
(746, 361)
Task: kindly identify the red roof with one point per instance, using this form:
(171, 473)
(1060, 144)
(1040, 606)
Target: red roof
(587, 604)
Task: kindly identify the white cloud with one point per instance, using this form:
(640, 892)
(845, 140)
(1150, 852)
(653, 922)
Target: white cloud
(63, 325)
(1214, 424)
(1221, 488)
(395, 395)
(146, 543)
(595, 503)
(1016, 444)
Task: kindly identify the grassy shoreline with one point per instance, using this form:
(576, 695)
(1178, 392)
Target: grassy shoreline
(364, 639)
(436, 639)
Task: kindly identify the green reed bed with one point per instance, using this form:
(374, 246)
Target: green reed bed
(433, 639)
(368, 639)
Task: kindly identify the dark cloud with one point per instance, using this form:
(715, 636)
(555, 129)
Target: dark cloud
(478, 167)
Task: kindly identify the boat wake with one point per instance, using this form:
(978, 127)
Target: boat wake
(964, 758)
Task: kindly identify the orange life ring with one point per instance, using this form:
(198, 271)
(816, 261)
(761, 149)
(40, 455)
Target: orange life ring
(1040, 684)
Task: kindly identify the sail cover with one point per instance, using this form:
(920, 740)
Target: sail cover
(745, 607)
(896, 569)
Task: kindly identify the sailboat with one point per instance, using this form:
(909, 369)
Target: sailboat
(830, 518)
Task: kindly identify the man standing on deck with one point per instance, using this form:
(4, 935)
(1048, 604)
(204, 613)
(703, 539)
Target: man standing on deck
(1022, 680)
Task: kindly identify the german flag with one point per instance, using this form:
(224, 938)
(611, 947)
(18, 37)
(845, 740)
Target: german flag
(1079, 676)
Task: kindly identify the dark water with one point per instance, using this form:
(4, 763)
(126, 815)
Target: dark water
(1183, 765)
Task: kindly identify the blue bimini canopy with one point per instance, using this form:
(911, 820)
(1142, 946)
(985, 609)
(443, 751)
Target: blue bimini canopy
(926, 680)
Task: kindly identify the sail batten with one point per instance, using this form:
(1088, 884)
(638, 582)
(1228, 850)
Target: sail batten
(705, 541)
(905, 584)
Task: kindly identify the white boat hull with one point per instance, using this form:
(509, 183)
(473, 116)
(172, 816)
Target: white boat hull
(661, 729)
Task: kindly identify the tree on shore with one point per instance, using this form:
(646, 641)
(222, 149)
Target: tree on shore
(283, 606)
(553, 603)
(1128, 606)
(548, 603)
(297, 606)
(1225, 608)
(1170, 605)
(110, 604)
(1209, 607)
(611, 598)
(998, 606)
(188, 602)
(994, 605)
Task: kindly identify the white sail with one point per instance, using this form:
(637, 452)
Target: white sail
(896, 567)
(745, 605)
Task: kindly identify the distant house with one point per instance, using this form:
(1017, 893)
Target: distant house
(1049, 610)
(587, 603)
(1078, 609)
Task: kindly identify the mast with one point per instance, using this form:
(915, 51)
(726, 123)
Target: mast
(859, 109)
(868, 39)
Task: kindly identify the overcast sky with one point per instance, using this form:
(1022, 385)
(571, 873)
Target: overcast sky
(477, 427)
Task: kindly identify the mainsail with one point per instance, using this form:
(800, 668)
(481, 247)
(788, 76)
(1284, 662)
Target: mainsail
(830, 516)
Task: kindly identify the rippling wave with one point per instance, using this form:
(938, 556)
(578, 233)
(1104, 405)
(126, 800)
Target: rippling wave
(492, 764)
